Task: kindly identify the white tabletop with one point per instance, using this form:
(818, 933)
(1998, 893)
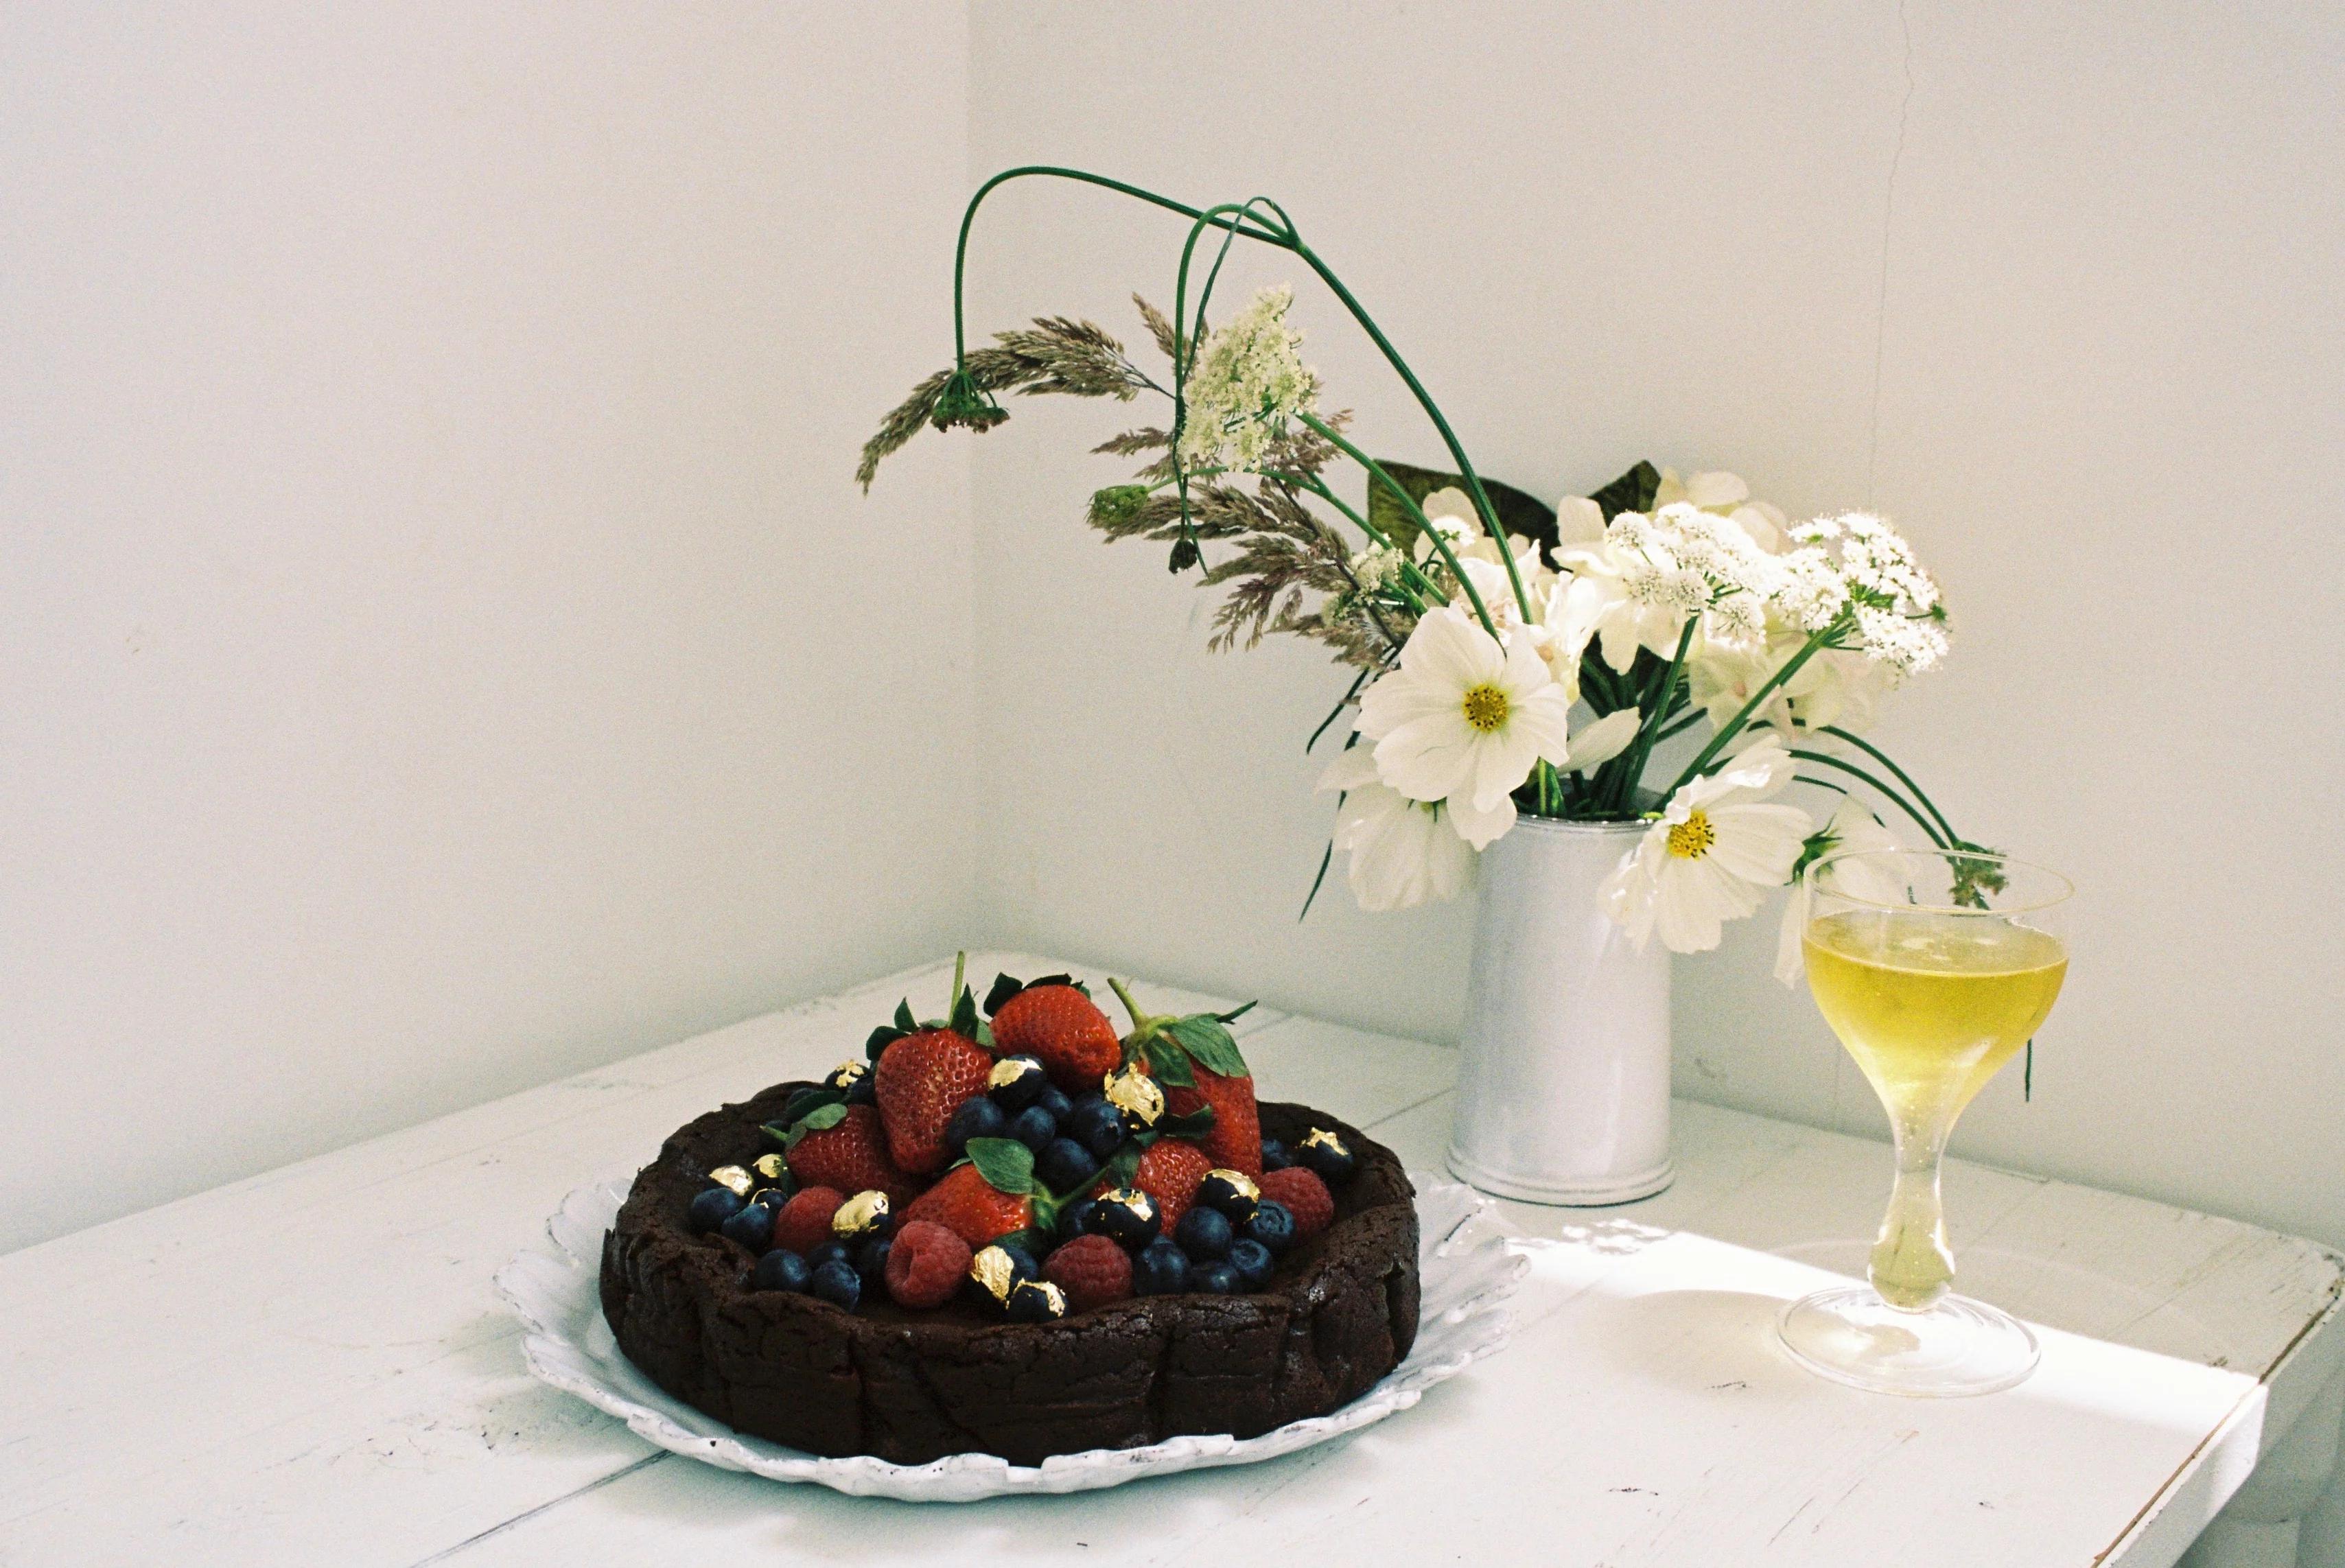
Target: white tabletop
(307, 1368)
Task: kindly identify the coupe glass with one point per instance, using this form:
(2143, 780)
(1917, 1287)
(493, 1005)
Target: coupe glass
(1933, 967)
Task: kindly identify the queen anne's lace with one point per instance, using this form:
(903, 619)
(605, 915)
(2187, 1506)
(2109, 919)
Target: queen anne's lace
(1247, 386)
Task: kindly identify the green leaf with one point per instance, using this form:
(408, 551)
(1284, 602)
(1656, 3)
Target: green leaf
(1007, 1165)
(1632, 491)
(964, 1013)
(1234, 1014)
(984, 1036)
(1517, 512)
(883, 1037)
(815, 1120)
(903, 1019)
(1196, 1124)
(1004, 987)
(807, 1100)
(1051, 980)
(1168, 1064)
(1122, 1165)
(1210, 1044)
(1035, 1239)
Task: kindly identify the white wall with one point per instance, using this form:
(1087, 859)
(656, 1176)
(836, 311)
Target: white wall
(2100, 388)
(442, 646)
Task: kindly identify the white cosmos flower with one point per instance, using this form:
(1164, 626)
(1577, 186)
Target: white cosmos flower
(1599, 741)
(1853, 827)
(1712, 854)
(1463, 720)
(1402, 852)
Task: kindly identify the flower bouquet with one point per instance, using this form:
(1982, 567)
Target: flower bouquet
(1508, 659)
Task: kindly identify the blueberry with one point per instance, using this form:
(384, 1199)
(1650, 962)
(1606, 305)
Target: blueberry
(1214, 1279)
(1275, 1156)
(1034, 1301)
(871, 1263)
(846, 1076)
(1160, 1270)
(1253, 1262)
(1273, 1225)
(780, 1269)
(1034, 1127)
(752, 1225)
(1202, 1234)
(978, 1118)
(1126, 1216)
(1327, 1155)
(1229, 1193)
(837, 1283)
(1052, 1100)
(828, 1252)
(770, 1197)
(1023, 1264)
(1096, 1125)
(1075, 1219)
(1017, 1082)
(711, 1208)
(1064, 1165)
(864, 1090)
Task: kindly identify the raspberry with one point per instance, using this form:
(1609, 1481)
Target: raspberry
(804, 1223)
(925, 1264)
(1092, 1270)
(1305, 1197)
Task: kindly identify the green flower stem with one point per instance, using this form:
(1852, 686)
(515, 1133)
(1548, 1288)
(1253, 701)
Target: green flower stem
(1656, 698)
(1908, 808)
(1285, 238)
(1877, 755)
(1417, 515)
(1319, 488)
(1681, 727)
(1544, 772)
(1733, 727)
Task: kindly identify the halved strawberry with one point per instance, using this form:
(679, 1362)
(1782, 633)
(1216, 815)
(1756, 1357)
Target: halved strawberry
(1056, 1022)
(966, 1204)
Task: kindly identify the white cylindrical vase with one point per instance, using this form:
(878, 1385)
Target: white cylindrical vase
(1563, 1092)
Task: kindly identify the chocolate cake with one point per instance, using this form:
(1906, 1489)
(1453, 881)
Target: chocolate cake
(1339, 1314)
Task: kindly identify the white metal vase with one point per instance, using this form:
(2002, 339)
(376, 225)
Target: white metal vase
(1563, 1095)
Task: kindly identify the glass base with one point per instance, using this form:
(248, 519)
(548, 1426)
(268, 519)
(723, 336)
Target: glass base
(1958, 1346)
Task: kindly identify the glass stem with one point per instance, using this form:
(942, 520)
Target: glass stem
(1911, 1266)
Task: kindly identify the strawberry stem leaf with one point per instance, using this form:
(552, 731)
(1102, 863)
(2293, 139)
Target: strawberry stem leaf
(1007, 1165)
(1004, 987)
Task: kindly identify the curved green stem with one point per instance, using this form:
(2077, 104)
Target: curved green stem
(1907, 806)
(1320, 488)
(1417, 515)
(1877, 755)
(1733, 727)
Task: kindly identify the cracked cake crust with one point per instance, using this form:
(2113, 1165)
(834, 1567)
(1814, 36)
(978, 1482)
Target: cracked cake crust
(911, 1387)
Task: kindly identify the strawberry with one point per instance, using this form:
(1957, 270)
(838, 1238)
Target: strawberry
(925, 1264)
(804, 1223)
(923, 1079)
(1234, 1140)
(1169, 1171)
(1305, 1197)
(1061, 1027)
(851, 1157)
(964, 1203)
(1092, 1270)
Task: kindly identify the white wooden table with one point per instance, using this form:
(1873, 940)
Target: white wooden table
(307, 1368)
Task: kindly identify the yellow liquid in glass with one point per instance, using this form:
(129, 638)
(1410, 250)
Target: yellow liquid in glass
(1929, 1004)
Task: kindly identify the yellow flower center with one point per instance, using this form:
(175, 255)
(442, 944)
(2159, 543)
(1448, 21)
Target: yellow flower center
(1486, 707)
(1691, 839)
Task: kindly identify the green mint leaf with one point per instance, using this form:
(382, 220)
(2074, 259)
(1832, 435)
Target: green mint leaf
(1122, 1165)
(1196, 1124)
(1007, 1165)
(1004, 987)
(822, 1117)
(1168, 1064)
(1209, 1041)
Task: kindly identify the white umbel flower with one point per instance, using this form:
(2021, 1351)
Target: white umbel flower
(1463, 720)
(1713, 855)
(1247, 386)
(1401, 852)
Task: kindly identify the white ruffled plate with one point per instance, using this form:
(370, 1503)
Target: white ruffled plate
(1467, 1273)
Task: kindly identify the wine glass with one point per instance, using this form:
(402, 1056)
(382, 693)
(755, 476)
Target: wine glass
(1933, 967)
